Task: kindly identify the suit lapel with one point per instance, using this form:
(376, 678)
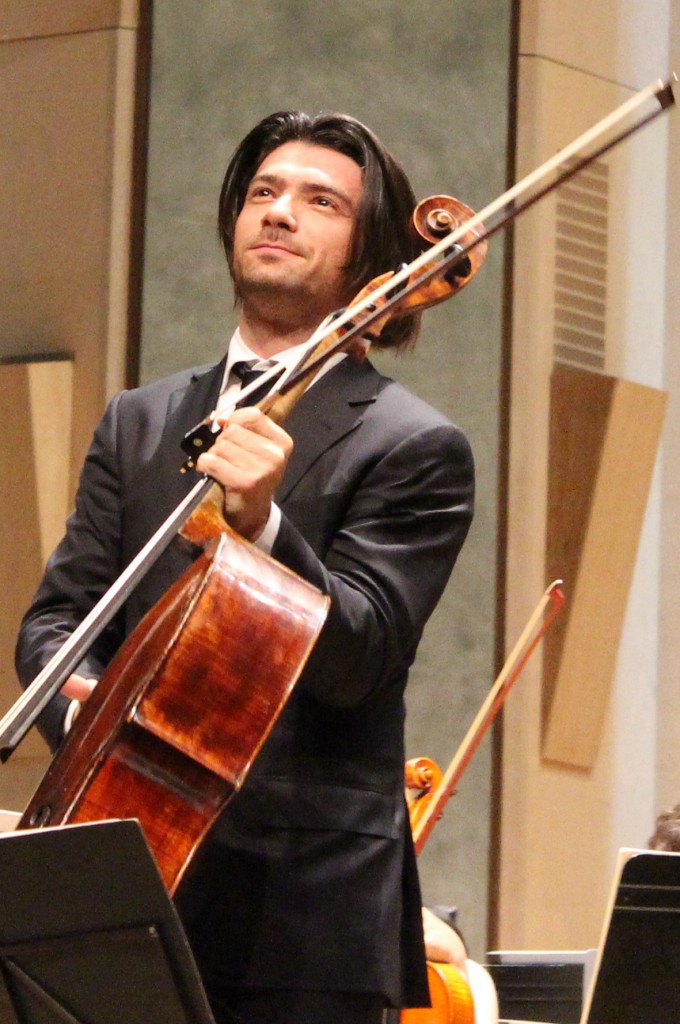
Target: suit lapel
(328, 411)
(187, 406)
(332, 408)
(196, 399)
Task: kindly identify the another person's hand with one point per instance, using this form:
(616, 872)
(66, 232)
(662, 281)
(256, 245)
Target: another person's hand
(442, 944)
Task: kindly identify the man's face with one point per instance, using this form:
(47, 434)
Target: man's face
(292, 237)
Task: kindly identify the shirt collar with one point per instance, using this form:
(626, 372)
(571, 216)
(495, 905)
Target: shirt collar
(238, 350)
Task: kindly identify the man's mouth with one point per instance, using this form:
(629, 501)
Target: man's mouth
(270, 245)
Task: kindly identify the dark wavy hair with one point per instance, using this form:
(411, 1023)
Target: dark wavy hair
(383, 238)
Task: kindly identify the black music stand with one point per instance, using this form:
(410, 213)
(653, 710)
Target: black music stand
(88, 934)
(637, 979)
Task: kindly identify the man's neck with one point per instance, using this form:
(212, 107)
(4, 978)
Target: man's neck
(267, 336)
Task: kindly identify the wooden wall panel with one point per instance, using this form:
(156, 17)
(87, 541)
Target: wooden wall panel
(71, 117)
(35, 424)
(604, 435)
(28, 19)
(67, 107)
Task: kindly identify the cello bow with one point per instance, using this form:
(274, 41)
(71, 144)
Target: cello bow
(428, 808)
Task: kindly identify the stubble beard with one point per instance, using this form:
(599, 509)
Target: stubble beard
(281, 297)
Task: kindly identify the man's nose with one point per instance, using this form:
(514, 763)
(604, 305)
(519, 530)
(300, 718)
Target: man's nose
(280, 212)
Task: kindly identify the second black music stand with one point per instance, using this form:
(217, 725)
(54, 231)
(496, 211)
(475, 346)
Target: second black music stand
(637, 979)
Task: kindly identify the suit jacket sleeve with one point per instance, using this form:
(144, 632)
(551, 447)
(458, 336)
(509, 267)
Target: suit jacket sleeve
(385, 557)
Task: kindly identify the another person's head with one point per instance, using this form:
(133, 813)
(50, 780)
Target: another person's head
(666, 835)
(382, 236)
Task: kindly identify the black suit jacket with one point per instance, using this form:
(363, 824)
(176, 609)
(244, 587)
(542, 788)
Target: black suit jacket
(309, 877)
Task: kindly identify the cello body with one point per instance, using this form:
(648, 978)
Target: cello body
(171, 729)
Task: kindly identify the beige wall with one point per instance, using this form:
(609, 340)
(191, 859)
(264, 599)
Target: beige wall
(667, 764)
(561, 823)
(67, 104)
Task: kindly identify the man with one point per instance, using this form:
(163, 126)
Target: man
(303, 905)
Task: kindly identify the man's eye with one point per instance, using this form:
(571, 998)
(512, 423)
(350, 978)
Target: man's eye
(324, 201)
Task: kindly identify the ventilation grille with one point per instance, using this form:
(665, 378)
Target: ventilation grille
(581, 269)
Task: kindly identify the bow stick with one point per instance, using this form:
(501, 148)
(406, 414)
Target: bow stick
(541, 619)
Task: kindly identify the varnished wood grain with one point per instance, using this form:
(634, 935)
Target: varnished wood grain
(172, 728)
